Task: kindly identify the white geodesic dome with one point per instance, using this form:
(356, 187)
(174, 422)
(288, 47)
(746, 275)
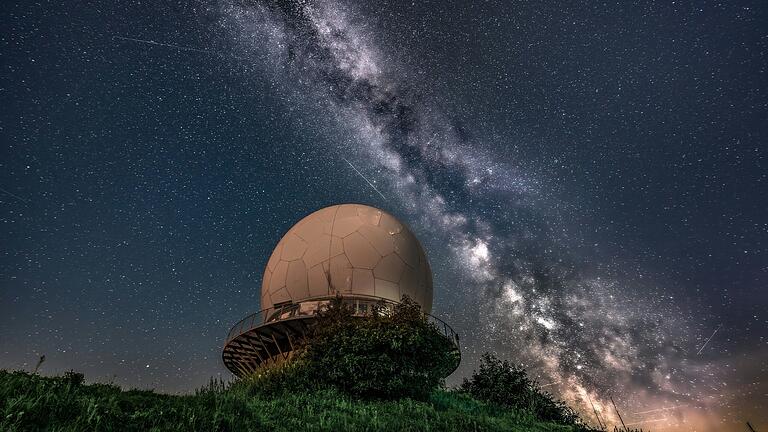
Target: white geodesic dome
(347, 250)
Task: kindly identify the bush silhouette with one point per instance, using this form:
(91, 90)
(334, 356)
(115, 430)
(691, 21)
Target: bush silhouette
(503, 383)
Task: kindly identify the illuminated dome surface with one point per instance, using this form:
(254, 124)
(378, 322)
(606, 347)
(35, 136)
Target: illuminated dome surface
(347, 249)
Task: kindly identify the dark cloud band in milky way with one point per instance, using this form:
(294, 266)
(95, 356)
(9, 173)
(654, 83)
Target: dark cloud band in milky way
(590, 335)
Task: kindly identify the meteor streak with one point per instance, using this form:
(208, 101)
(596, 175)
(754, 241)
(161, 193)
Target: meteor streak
(178, 47)
(710, 338)
(659, 409)
(647, 421)
(14, 195)
(366, 180)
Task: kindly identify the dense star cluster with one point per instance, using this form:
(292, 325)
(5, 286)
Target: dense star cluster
(589, 183)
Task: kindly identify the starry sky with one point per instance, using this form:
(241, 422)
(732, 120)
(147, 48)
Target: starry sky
(589, 181)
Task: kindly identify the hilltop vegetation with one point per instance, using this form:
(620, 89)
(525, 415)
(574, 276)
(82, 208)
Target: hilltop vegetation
(30, 402)
(379, 373)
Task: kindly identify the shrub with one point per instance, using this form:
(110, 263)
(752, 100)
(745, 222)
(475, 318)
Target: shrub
(389, 354)
(73, 378)
(503, 383)
(287, 377)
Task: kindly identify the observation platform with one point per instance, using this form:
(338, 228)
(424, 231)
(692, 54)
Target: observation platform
(271, 335)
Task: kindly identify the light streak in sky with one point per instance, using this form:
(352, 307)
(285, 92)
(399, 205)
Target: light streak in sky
(14, 195)
(707, 341)
(647, 421)
(659, 409)
(366, 180)
(178, 47)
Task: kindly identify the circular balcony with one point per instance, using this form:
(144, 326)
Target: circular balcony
(271, 335)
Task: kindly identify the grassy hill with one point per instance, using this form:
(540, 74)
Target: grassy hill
(380, 372)
(30, 402)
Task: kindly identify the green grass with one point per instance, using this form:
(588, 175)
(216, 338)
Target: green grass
(31, 402)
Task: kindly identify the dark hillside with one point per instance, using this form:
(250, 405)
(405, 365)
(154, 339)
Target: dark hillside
(34, 403)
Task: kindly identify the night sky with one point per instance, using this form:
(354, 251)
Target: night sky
(589, 180)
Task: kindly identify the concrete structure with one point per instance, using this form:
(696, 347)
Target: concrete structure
(354, 251)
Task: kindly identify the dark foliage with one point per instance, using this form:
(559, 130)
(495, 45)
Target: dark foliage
(284, 378)
(392, 353)
(503, 383)
(30, 403)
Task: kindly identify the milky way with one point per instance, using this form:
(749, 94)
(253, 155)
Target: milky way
(591, 335)
(588, 178)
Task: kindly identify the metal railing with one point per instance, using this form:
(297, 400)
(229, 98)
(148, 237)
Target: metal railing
(361, 306)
